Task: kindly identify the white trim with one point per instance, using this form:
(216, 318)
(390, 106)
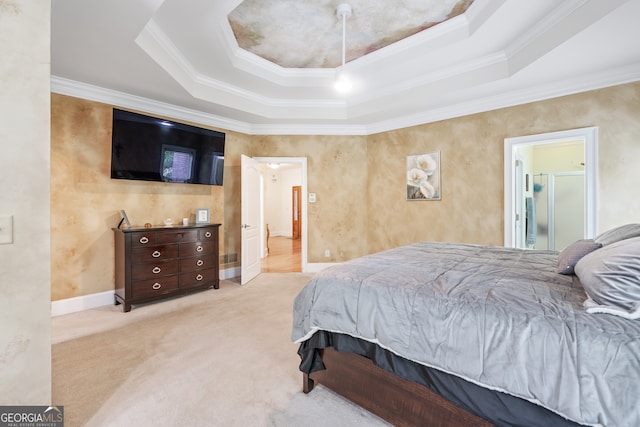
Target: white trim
(120, 99)
(229, 273)
(597, 80)
(101, 299)
(512, 98)
(590, 137)
(84, 302)
(302, 162)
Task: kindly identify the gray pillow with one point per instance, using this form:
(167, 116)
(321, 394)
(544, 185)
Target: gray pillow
(611, 275)
(623, 232)
(573, 253)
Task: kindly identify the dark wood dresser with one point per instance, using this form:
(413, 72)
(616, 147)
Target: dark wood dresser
(160, 262)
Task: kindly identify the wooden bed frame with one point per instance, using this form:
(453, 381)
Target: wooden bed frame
(398, 401)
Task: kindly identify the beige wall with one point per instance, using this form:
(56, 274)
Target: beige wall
(359, 182)
(471, 185)
(471, 149)
(86, 202)
(337, 173)
(25, 307)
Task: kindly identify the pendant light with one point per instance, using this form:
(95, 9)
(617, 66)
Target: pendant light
(342, 83)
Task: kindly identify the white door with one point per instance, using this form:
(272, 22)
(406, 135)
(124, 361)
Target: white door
(250, 219)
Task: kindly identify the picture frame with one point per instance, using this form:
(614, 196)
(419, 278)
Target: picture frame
(202, 216)
(423, 176)
(124, 220)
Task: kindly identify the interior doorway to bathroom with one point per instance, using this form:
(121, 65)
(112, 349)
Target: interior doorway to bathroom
(550, 189)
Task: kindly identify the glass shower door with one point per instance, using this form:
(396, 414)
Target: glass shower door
(559, 199)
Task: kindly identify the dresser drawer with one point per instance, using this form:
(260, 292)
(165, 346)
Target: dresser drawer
(197, 263)
(159, 262)
(206, 234)
(177, 236)
(154, 286)
(197, 248)
(154, 269)
(152, 238)
(143, 238)
(154, 253)
(198, 278)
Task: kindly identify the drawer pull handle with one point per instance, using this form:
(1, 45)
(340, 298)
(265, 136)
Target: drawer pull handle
(156, 270)
(199, 249)
(200, 263)
(144, 239)
(199, 277)
(156, 254)
(207, 234)
(156, 286)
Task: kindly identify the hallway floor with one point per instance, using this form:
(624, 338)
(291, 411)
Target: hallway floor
(284, 256)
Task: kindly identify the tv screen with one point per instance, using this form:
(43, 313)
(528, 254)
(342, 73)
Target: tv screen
(152, 149)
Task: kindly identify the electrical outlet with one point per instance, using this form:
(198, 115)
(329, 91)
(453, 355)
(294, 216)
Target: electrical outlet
(327, 253)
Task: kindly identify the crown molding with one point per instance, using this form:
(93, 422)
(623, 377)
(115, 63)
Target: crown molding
(310, 129)
(594, 81)
(565, 87)
(90, 92)
(564, 22)
(120, 99)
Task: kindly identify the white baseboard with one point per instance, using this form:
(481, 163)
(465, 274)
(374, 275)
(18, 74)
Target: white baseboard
(87, 302)
(229, 273)
(84, 302)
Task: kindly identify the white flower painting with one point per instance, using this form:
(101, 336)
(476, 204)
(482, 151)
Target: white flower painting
(423, 176)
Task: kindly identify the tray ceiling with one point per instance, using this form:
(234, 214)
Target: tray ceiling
(269, 67)
(295, 34)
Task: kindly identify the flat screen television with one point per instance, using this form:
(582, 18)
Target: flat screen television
(152, 149)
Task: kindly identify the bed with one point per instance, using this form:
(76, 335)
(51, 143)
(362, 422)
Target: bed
(453, 334)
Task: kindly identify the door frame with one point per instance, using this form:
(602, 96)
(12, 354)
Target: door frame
(589, 136)
(302, 162)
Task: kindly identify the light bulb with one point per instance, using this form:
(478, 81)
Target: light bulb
(343, 84)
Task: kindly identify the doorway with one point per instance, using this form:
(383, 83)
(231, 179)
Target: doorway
(535, 191)
(284, 214)
(283, 257)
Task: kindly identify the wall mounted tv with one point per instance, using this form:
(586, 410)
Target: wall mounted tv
(151, 149)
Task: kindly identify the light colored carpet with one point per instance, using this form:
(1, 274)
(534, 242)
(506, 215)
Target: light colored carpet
(215, 358)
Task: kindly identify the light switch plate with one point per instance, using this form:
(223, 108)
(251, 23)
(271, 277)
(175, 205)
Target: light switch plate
(312, 197)
(6, 229)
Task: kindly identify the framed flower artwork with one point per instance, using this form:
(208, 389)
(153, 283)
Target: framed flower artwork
(423, 176)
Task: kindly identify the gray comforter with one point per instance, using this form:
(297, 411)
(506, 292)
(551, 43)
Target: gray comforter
(501, 318)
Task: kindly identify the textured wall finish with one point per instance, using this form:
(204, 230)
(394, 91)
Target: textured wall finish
(472, 149)
(471, 185)
(359, 182)
(86, 202)
(337, 173)
(25, 307)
